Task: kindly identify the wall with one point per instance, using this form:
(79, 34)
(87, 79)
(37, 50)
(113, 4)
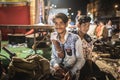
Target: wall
(16, 15)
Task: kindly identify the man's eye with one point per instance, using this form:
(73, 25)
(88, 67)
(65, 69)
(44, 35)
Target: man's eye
(62, 23)
(55, 23)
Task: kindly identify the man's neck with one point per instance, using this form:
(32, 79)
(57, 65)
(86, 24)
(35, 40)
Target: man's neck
(62, 35)
(81, 34)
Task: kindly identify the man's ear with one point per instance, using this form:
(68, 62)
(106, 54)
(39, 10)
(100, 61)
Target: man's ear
(78, 25)
(66, 24)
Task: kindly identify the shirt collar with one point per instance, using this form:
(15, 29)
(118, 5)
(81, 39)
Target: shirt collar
(65, 37)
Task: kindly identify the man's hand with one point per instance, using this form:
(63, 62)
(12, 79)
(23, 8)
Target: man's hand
(58, 48)
(57, 45)
(56, 67)
(60, 55)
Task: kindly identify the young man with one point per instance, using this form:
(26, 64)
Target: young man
(83, 27)
(66, 48)
(90, 67)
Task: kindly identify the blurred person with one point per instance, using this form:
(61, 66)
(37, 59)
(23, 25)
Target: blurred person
(91, 31)
(66, 48)
(70, 22)
(109, 27)
(78, 16)
(83, 27)
(70, 26)
(50, 18)
(90, 68)
(101, 31)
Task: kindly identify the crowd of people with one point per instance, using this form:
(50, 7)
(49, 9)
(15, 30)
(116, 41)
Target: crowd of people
(70, 50)
(72, 45)
(73, 49)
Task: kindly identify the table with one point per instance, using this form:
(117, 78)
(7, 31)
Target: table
(35, 26)
(47, 28)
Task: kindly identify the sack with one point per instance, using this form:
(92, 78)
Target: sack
(33, 66)
(89, 71)
(93, 72)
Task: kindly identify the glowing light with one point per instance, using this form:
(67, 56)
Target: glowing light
(116, 6)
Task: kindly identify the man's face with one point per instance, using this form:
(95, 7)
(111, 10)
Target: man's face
(60, 26)
(79, 12)
(84, 27)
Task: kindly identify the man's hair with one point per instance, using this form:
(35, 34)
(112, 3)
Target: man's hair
(78, 10)
(84, 19)
(61, 16)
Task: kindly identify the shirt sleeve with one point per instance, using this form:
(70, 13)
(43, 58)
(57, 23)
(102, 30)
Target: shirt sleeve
(79, 55)
(54, 57)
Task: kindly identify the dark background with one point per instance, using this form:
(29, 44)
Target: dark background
(73, 4)
(104, 6)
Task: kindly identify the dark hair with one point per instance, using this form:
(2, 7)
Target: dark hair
(61, 16)
(96, 22)
(102, 21)
(84, 19)
(79, 10)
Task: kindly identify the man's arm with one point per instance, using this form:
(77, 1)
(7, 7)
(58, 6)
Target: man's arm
(79, 55)
(54, 57)
(56, 50)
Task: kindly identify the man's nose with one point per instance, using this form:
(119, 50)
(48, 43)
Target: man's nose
(58, 25)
